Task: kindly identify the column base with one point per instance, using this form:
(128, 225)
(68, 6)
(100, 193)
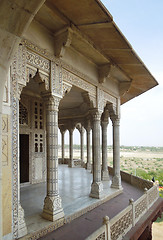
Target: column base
(88, 166)
(22, 229)
(71, 164)
(97, 190)
(82, 164)
(52, 210)
(105, 175)
(116, 182)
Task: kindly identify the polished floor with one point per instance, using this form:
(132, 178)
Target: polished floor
(74, 189)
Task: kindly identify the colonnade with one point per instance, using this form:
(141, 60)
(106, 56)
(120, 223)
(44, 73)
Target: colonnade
(100, 173)
(52, 209)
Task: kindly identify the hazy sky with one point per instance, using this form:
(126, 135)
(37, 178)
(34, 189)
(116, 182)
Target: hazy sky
(141, 21)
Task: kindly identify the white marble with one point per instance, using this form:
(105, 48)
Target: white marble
(74, 189)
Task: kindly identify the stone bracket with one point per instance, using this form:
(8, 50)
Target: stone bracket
(89, 99)
(103, 72)
(62, 39)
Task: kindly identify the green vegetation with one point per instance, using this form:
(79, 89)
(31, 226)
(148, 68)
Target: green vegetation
(159, 219)
(148, 175)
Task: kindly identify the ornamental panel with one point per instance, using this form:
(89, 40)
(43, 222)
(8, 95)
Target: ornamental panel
(23, 114)
(78, 82)
(119, 227)
(56, 79)
(38, 61)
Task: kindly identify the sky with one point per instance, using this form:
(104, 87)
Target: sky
(141, 22)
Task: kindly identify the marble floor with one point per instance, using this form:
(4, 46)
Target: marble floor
(74, 189)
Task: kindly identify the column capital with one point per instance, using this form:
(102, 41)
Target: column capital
(115, 120)
(62, 129)
(96, 114)
(71, 129)
(80, 128)
(52, 102)
(71, 126)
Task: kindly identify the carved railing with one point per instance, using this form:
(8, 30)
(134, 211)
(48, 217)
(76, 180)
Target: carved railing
(76, 162)
(118, 226)
(133, 180)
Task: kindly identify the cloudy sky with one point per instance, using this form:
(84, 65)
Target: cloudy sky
(141, 21)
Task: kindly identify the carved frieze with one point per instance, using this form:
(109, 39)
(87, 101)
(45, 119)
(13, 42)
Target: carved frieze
(77, 81)
(34, 47)
(38, 61)
(109, 98)
(18, 67)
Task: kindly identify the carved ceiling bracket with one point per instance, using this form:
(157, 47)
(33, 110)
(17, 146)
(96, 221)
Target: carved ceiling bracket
(90, 100)
(112, 110)
(104, 71)
(105, 115)
(62, 39)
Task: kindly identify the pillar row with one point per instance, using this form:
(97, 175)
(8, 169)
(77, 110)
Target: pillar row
(52, 209)
(97, 186)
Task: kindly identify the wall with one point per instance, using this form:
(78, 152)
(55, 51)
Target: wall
(6, 162)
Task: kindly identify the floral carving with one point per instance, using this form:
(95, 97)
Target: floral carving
(38, 61)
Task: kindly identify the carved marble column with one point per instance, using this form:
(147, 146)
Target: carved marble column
(82, 145)
(88, 130)
(63, 143)
(105, 173)
(63, 147)
(116, 181)
(97, 186)
(52, 204)
(71, 162)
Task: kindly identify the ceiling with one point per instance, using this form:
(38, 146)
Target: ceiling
(98, 38)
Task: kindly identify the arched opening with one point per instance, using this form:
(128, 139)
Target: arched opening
(32, 134)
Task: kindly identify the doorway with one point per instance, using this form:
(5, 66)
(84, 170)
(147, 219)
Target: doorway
(24, 158)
